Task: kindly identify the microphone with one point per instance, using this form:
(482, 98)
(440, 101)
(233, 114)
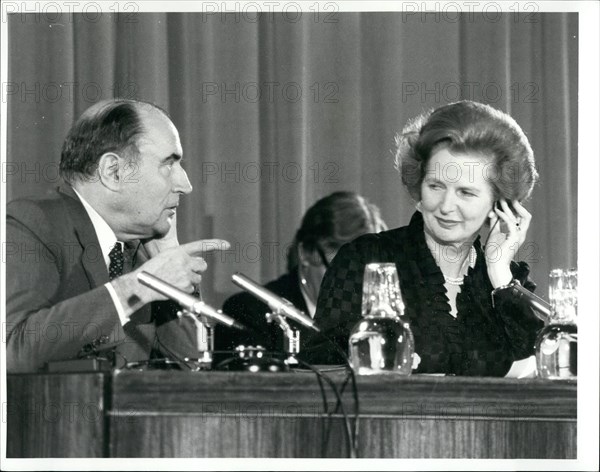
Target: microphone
(540, 306)
(186, 300)
(276, 303)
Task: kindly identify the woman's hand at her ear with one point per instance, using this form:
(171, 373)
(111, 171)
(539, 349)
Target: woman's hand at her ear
(501, 247)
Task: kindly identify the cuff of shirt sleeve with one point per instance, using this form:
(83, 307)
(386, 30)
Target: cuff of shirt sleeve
(118, 305)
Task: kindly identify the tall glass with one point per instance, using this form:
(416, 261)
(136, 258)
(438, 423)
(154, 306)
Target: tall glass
(382, 342)
(556, 344)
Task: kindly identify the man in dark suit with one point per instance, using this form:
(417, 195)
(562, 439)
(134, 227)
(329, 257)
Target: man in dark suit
(73, 258)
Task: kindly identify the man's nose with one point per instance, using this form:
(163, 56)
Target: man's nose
(181, 182)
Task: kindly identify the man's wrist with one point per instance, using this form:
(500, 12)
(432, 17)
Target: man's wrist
(131, 293)
(117, 303)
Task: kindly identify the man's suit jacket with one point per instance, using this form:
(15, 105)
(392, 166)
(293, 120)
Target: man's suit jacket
(56, 301)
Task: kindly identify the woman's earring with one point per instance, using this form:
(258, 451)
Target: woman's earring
(418, 205)
(303, 280)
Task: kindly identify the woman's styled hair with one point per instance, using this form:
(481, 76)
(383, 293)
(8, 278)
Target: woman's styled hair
(332, 222)
(468, 127)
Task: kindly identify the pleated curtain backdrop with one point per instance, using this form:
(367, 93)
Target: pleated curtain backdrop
(275, 112)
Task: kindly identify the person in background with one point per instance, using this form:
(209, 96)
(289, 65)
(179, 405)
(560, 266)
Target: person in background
(326, 226)
(468, 167)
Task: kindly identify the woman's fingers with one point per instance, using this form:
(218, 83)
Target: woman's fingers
(512, 224)
(517, 225)
(523, 214)
(506, 209)
(507, 216)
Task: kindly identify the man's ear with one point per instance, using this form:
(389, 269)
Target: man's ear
(110, 170)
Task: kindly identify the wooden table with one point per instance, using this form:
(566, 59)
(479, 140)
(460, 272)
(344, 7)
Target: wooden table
(229, 414)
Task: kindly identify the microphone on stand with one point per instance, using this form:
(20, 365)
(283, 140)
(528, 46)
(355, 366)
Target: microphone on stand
(187, 301)
(276, 303)
(540, 306)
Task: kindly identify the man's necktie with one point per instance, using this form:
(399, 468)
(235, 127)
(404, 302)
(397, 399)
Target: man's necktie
(115, 268)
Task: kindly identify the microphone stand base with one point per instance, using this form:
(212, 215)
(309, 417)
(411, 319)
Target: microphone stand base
(253, 359)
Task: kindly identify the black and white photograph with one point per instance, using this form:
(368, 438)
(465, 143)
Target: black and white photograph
(299, 235)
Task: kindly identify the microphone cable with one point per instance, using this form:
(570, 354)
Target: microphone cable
(321, 376)
(347, 428)
(168, 351)
(354, 391)
(352, 377)
(489, 234)
(327, 430)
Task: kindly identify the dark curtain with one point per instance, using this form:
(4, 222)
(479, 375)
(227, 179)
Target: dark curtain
(277, 111)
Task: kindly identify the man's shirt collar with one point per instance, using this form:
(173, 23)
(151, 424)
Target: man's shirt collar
(106, 236)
